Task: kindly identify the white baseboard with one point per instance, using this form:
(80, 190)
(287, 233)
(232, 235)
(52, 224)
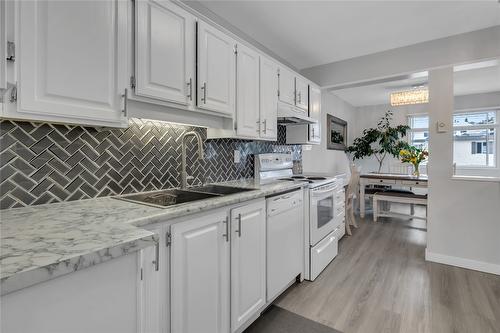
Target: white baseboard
(462, 262)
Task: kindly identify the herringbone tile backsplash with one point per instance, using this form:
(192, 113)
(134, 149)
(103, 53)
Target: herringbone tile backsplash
(43, 163)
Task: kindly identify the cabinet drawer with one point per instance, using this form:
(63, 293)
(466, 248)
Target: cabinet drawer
(340, 196)
(414, 183)
(323, 253)
(340, 230)
(382, 181)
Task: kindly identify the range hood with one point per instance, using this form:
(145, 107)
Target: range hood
(291, 115)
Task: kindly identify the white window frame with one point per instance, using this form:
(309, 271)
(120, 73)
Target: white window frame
(496, 126)
(479, 168)
(417, 129)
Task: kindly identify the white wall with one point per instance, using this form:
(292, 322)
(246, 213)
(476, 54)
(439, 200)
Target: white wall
(464, 216)
(463, 48)
(320, 159)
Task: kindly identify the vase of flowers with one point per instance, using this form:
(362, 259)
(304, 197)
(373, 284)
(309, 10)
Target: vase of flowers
(415, 156)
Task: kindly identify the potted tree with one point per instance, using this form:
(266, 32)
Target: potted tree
(380, 141)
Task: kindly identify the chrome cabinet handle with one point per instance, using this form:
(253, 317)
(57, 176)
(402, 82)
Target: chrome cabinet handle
(265, 126)
(226, 222)
(204, 88)
(190, 85)
(156, 262)
(239, 225)
(125, 98)
(300, 97)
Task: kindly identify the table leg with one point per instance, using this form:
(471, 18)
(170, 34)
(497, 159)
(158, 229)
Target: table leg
(362, 199)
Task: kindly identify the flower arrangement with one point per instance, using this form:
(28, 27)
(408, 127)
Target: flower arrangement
(414, 156)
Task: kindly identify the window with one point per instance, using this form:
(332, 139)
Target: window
(475, 139)
(481, 147)
(419, 131)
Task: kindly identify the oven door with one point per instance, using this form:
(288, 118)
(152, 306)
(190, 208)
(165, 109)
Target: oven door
(322, 214)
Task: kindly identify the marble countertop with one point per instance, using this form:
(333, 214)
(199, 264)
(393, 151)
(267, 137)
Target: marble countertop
(39, 243)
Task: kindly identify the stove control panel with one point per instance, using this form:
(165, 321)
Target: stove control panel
(273, 161)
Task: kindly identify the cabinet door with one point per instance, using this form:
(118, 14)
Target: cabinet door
(268, 99)
(248, 262)
(165, 51)
(216, 70)
(286, 86)
(315, 112)
(200, 275)
(302, 93)
(247, 92)
(154, 286)
(73, 60)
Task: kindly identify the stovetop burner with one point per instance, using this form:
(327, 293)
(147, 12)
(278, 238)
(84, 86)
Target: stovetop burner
(316, 178)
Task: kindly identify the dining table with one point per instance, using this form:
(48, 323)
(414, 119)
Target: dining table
(393, 180)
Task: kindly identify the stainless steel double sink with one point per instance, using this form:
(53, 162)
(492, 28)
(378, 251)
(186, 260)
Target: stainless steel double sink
(168, 198)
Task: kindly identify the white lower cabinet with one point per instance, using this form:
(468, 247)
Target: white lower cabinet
(248, 262)
(101, 298)
(154, 287)
(218, 262)
(200, 274)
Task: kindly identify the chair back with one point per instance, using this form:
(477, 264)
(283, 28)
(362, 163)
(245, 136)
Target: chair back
(400, 168)
(353, 186)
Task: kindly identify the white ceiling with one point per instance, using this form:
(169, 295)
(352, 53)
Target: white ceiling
(473, 81)
(309, 33)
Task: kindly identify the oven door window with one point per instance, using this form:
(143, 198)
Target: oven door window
(325, 211)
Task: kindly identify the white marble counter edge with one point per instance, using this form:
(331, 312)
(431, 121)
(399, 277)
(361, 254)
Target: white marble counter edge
(41, 274)
(44, 273)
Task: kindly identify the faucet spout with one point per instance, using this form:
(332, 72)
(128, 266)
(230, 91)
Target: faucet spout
(199, 142)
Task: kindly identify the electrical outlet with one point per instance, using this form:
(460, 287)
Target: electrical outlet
(237, 156)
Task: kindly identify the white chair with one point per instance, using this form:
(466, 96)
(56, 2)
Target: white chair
(400, 168)
(351, 195)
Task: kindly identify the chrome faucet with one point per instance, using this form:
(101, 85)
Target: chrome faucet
(184, 175)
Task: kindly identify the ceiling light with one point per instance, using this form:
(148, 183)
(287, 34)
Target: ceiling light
(407, 97)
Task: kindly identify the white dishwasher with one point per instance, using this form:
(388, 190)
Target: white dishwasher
(285, 227)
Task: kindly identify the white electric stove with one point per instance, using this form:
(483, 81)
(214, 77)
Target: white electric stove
(322, 215)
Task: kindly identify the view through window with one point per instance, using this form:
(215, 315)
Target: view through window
(474, 137)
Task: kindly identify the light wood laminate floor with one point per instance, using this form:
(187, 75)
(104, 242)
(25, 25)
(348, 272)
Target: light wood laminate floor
(380, 282)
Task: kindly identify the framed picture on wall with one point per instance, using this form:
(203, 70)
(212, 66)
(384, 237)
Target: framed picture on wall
(336, 133)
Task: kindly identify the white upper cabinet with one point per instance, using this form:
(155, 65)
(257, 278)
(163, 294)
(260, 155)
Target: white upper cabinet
(200, 274)
(301, 93)
(216, 70)
(248, 262)
(315, 112)
(3, 46)
(153, 289)
(286, 86)
(247, 92)
(72, 61)
(268, 99)
(165, 52)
